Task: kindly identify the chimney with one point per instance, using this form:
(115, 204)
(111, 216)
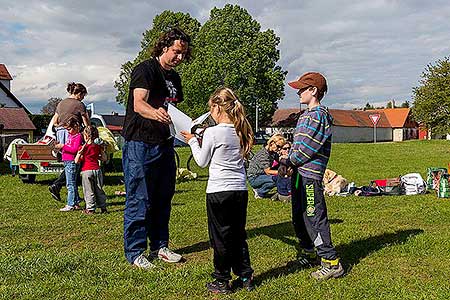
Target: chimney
(393, 103)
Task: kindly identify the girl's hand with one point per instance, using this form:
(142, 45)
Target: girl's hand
(59, 146)
(187, 136)
(82, 149)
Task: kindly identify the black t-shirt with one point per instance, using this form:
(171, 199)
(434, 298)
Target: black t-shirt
(164, 86)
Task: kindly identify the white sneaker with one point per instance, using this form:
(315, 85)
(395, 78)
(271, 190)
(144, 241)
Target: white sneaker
(67, 208)
(142, 262)
(256, 194)
(167, 255)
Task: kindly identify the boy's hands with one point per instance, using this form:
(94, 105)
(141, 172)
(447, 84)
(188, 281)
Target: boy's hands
(187, 136)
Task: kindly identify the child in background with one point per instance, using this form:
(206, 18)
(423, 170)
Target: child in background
(224, 147)
(91, 174)
(69, 150)
(284, 177)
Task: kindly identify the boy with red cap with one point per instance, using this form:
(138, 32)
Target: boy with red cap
(309, 157)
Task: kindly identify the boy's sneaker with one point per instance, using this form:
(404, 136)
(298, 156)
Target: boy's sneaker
(243, 283)
(256, 194)
(54, 191)
(219, 287)
(142, 262)
(103, 210)
(167, 255)
(328, 269)
(275, 197)
(307, 259)
(67, 208)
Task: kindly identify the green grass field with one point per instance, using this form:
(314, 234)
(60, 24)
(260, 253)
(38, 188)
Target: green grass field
(393, 247)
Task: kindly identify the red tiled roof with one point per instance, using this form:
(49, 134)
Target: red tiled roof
(4, 74)
(346, 118)
(397, 117)
(15, 119)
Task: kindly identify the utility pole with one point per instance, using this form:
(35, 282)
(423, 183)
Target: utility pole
(256, 114)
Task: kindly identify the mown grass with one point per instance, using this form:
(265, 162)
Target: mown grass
(392, 247)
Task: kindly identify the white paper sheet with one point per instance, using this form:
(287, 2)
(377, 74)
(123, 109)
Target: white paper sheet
(182, 122)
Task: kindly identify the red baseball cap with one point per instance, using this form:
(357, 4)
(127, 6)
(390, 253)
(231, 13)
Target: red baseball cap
(310, 79)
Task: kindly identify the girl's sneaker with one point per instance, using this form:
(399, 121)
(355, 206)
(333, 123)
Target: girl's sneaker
(67, 208)
(77, 207)
(243, 283)
(88, 211)
(219, 287)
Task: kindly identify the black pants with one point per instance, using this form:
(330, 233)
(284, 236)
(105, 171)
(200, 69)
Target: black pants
(227, 215)
(309, 216)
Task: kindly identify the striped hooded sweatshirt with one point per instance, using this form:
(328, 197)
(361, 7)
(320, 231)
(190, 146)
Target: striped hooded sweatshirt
(312, 142)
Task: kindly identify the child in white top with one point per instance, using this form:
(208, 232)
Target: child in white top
(224, 147)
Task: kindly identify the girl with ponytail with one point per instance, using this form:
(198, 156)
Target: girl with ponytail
(224, 148)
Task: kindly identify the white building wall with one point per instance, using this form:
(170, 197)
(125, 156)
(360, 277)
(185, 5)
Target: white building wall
(359, 134)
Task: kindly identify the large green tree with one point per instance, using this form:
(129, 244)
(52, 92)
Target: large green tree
(231, 50)
(161, 23)
(432, 97)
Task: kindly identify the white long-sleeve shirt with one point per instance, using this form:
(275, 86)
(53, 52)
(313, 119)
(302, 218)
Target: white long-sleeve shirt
(221, 149)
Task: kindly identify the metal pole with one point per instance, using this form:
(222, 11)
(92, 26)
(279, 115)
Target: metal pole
(374, 133)
(256, 125)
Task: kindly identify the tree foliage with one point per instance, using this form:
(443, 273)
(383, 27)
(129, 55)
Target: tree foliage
(50, 107)
(432, 97)
(229, 50)
(161, 23)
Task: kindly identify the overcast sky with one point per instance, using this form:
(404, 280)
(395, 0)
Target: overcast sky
(368, 50)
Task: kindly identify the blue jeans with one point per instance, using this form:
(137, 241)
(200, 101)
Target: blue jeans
(284, 186)
(150, 174)
(263, 184)
(71, 169)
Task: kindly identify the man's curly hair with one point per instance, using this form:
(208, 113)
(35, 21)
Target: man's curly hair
(168, 38)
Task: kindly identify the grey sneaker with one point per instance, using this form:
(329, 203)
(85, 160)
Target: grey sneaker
(275, 197)
(167, 255)
(142, 262)
(328, 269)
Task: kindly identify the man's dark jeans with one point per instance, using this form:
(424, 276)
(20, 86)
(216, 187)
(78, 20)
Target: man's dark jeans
(150, 174)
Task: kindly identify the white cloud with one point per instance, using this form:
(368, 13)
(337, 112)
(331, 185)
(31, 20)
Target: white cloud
(368, 50)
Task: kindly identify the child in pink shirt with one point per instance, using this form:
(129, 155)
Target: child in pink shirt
(69, 150)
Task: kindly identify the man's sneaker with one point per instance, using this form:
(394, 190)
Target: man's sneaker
(54, 191)
(328, 269)
(67, 208)
(167, 255)
(142, 262)
(257, 196)
(307, 259)
(243, 283)
(219, 287)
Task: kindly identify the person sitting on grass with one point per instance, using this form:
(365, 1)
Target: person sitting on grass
(284, 177)
(91, 174)
(224, 148)
(260, 175)
(69, 150)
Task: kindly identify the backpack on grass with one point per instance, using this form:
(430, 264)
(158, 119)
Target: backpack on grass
(389, 186)
(413, 184)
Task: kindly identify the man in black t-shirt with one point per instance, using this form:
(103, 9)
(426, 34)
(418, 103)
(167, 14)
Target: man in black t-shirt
(148, 154)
